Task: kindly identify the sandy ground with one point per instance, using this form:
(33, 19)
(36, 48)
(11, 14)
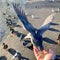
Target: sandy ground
(49, 41)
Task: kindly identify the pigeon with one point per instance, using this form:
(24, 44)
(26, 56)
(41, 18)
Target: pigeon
(35, 33)
(5, 46)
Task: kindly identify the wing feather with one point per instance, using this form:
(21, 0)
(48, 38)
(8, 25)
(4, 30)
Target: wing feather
(46, 24)
(21, 14)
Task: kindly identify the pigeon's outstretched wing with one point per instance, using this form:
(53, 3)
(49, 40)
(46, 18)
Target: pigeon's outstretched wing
(46, 24)
(21, 14)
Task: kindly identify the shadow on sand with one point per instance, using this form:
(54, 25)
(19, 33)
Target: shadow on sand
(54, 23)
(12, 51)
(3, 58)
(52, 29)
(49, 41)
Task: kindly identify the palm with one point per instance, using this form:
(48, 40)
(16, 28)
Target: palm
(43, 55)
